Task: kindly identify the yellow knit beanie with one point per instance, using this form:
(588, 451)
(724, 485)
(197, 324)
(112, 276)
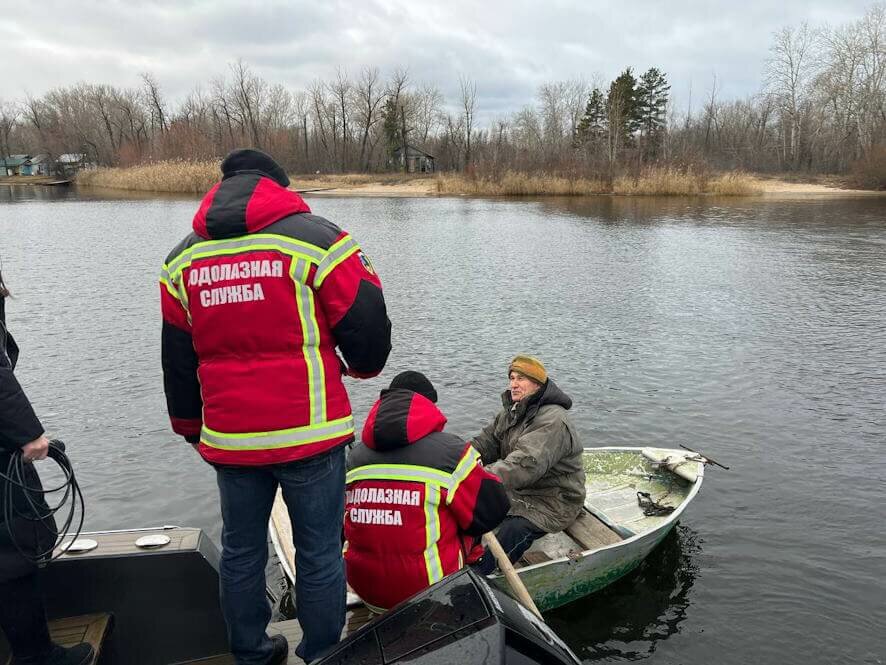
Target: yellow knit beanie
(529, 366)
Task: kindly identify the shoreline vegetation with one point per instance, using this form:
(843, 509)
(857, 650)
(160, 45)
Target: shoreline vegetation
(196, 177)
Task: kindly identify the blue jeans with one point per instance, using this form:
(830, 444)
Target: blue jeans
(313, 490)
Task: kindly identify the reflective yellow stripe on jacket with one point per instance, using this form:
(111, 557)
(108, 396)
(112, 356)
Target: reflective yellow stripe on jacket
(283, 438)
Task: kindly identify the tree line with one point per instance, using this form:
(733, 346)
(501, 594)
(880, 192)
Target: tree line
(821, 108)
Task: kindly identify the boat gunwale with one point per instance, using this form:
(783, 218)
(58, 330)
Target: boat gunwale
(279, 551)
(666, 524)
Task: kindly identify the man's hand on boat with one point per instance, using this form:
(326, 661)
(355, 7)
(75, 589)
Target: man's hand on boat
(35, 450)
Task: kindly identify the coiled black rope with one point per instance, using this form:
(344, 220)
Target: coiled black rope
(41, 513)
(651, 507)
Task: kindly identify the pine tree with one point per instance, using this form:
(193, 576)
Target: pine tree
(652, 98)
(621, 112)
(592, 125)
(621, 103)
(391, 127)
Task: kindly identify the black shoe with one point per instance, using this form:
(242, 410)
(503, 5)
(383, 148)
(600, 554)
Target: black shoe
(279, 650)
(79, 654)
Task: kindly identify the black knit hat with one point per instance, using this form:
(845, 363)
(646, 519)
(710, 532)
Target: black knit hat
(416, 382)
(247, 160)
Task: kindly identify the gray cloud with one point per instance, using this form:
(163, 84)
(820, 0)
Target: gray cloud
(508, 48)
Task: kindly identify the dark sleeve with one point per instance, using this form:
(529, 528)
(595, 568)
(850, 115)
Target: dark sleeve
(350, 295)
(183, 399)
(477, 498)
(18, 422)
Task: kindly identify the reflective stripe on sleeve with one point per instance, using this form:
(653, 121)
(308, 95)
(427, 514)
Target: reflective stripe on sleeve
(336, 254)
(284, 438)
(170, 288)
(462, 471)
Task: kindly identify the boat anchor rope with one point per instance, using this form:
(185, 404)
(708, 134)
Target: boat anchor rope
(651, 507)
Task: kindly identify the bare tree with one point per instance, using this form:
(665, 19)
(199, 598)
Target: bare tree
(368, 96)
(155, 100)
(468, 105)
(396, 100)
(319, 107)
(427, 105)
(249, 95)
(9, 115)
(341, 92)
(301, 110)
(790, 70)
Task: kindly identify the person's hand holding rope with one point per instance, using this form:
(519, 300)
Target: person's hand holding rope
(35, 450)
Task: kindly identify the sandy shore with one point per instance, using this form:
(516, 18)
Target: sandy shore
(354, 186)
(779, 187)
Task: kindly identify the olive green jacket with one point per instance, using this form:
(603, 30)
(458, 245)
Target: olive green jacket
(534, 448)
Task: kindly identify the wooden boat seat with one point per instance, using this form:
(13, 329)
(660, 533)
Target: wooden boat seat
(532, 557)
(91, 628)
(591, 533)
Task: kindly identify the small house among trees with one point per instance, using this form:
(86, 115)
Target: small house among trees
(37, 165)
(417, 161)
(12, 165)
(71, 162)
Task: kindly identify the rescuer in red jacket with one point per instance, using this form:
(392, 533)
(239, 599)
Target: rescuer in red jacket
(416, 497)
(255, 301)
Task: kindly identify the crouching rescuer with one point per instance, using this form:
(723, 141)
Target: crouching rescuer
(417, 497)
(255, 301)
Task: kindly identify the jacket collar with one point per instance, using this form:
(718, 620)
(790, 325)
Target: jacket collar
(400, 418)
(245, 203)
(526, 408)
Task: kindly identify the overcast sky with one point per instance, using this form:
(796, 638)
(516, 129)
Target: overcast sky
(507, 47)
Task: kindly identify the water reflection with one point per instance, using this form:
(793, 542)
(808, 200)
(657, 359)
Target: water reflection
(47, 193)
(21, 193)
(626, 620)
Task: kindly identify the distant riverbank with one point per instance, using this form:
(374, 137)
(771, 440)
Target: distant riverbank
(198, 176)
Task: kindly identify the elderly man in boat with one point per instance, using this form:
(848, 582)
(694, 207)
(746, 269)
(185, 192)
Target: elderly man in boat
(534, 448)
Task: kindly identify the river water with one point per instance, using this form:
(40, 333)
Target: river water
(751, 329)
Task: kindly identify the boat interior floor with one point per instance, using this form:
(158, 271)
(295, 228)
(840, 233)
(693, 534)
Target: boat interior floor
(355, 619)
(611, 511)
(90, 628)
(587, 532)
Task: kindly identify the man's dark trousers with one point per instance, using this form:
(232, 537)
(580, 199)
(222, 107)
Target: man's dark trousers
(313, 490)
(515, 535)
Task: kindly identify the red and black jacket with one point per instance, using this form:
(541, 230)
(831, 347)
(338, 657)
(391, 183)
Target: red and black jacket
(255, 302)
(416, 498)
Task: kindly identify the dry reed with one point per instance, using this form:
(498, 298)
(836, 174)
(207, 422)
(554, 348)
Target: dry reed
(184, 176)
(198, 176)
(652, 182)
(660, 182)
(735, 184)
